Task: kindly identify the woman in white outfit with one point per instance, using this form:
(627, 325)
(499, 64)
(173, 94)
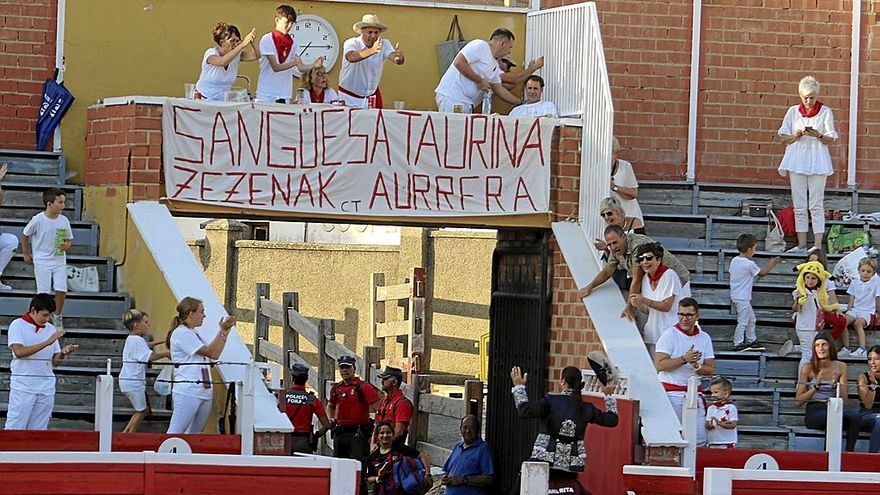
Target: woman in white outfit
(661, 291)
(220, 62)
(192, 352)
(624, 185)
(807, 130)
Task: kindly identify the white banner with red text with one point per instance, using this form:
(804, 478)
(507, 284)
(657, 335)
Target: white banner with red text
(335, 160)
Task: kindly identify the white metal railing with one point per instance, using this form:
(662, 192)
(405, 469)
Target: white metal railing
(576, 80)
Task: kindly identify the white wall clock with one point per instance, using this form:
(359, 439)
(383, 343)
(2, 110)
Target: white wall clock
(316, 37)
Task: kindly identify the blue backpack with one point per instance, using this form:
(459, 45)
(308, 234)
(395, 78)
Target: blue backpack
(409, 475)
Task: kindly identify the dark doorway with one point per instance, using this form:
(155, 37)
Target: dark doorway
(519, 334)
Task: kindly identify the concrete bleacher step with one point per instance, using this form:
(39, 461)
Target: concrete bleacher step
(20, 275)
(85, 234)
(35, 167)
(23, 200)
(78, 304)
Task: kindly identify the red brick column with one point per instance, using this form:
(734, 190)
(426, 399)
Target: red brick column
(27, 59)
(124, 147)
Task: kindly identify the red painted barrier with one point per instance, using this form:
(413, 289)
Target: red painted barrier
(609, 449)
(759, 487)
(87, 441)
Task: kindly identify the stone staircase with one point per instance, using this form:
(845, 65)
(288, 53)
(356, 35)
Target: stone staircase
(700, 224)
(92, 320)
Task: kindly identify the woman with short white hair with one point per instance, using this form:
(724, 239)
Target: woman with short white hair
(807, 130)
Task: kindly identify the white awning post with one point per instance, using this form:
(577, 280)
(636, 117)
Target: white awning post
(855, 52)
(246, 410)
(693, 102)
(104, 410)
(833, 429)
(535, 478)
(689, 420)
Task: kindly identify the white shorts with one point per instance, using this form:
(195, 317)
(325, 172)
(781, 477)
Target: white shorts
(50, 277)
(138, 400)
(855, 314)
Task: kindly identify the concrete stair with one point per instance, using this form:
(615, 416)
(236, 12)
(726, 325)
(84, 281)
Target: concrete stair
(91, 320)
(700, 224)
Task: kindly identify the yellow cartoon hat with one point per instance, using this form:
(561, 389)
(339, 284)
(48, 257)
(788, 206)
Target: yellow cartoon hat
(815, 268)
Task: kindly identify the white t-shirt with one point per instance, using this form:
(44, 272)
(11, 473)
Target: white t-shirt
(538, 109)
(660, 321)
(806, 316)
(215, 80)
(135, 356)
(743, 273)
(675, 343)
(459, 89)
(34, 373)
(362, 78)
(864, 294)
(184, 345)
(625, 177)
(807, 155)
(44, 235)
(719, 435)
(273, 85)
(329, 95)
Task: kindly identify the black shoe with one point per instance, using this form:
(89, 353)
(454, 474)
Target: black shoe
(740, 347)
(753, 343)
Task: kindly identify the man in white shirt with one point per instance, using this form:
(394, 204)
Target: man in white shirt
(363, 61)
(279, 58)
(681, 352)
(533, 106)
(474, 72)
(35, 352)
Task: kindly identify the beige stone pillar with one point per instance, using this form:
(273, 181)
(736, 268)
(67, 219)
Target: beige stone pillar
(221, 266)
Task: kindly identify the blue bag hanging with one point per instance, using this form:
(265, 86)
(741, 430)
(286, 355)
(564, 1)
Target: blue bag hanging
(56, 101)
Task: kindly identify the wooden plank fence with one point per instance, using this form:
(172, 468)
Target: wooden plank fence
(385, 333)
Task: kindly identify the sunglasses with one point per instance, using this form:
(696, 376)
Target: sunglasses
(647, 257)
(687, 315)
(607, 213)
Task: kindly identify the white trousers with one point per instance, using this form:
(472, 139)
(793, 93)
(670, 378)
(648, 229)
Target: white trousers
(29, 411)
(808, 193)
(677, 400)
(806, 337)
(190, 414)
(8, 243)
(447, 105)
(745, 322)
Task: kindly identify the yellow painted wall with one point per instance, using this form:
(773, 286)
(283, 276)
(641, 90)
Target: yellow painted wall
(121, 48)
(105, 205)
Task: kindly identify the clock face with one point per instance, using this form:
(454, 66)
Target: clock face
(315, 37)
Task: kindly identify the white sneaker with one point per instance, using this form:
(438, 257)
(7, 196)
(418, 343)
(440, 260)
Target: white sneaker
(797, 250)
(786, 348)
(859, 353)
(814, 248)
(844, 351)
(5, 287)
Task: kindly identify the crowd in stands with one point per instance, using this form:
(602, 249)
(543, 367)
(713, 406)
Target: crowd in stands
(481, 70)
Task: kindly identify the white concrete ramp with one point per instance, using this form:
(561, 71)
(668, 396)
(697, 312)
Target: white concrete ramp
(185, 277)
(621, 339)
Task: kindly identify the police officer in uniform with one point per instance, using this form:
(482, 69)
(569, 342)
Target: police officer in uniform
(301, 406)
(349, 406)
(394, 407)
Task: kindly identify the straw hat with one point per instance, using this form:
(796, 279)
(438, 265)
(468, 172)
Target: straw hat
(370, 20)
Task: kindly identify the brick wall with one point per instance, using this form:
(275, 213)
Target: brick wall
(27, 59)
(572, 335)
(753, 53)
(124, 146)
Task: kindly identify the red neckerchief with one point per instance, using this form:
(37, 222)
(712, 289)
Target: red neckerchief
(812, 111)
(283, 44)
(721, 403)
(27, 317)
(696, 327)
(661, 269)
(317, 97)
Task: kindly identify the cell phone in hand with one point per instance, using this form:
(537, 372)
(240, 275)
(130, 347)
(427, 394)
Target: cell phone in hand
(808, 128)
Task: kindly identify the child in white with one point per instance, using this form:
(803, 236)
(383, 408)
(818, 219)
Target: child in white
(864, 298)
(135, 356)
(279, 59)
(35, 352)
(44, 242)
(810, 303)
(743, 273)
(721, 416)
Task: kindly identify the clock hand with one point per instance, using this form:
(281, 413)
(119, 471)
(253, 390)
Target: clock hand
(304, 49)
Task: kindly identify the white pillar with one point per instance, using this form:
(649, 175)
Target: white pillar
(535, 478)
(853, 123)
(833, 429)
(696, 24)
(246, 410)
(345, 476)
(104, 412)
(689, 419)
